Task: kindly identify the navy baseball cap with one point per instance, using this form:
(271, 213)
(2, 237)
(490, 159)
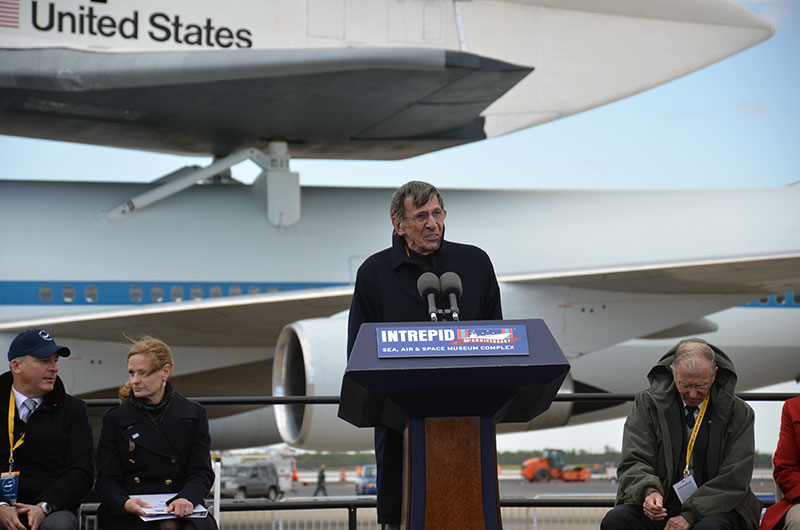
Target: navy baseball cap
(36, 342)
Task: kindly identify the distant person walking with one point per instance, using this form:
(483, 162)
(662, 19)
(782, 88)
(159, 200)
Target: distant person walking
(321, 482)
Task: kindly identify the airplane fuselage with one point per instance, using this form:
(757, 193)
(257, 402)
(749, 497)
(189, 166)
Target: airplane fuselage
(215, 241)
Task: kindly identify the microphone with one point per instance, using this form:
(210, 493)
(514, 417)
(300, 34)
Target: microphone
(451, 287)
(428, 288)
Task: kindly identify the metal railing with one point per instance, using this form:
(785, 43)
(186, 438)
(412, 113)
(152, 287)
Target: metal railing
(597, 397)
(541, 512)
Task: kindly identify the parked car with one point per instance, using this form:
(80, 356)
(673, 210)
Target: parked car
(250, 479)
(366, 484)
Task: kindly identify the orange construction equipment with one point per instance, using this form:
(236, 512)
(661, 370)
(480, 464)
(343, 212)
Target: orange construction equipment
(552, 465)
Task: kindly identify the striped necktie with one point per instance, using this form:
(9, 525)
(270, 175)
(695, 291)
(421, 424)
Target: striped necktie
(28, 406)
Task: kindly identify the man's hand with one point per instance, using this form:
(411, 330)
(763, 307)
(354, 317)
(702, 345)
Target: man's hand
(654, 506)
(677, 523)
(34, 512)
(9, 518)
(135, 505)
(181, 507)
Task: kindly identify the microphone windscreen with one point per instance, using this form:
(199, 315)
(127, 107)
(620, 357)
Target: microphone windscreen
(451, 283)
(427, 283)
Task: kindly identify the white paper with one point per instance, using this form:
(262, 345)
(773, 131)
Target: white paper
(159, 506)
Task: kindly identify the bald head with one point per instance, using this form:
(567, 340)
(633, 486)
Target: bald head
(694, 357)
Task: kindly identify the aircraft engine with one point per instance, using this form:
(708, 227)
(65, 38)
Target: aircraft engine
(310, 358)
(556, 416)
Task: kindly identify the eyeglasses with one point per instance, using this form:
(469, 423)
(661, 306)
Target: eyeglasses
(702, 387)
(422, 217)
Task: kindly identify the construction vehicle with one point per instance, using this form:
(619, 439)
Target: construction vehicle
(552, 464)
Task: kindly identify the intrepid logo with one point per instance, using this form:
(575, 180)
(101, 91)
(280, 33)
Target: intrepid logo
(416, 335)
(486, 336)
(160, 27)
(9, 14)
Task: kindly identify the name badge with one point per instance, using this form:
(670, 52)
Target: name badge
(685, 488)
(9, 484)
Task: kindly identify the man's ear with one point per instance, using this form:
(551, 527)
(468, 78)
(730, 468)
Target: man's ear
(398, 226)
(14, 365)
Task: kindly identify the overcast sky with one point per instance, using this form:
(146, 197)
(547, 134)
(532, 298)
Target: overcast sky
(733, 124)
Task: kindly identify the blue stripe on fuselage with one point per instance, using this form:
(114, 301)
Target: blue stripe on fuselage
(134, 293)
(138, 293)
(789, 299)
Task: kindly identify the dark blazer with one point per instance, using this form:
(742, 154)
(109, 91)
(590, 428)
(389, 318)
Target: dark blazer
(55, 460)
(386, 286)
(135, 456)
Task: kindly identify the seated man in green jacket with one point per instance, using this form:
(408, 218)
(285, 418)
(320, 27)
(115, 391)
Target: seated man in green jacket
(687, 448)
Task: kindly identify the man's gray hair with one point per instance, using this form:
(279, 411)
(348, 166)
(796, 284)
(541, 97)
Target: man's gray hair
(420, 193)
(692, 354)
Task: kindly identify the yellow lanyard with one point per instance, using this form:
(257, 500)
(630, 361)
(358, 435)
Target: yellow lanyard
(698, 422)
(12, 408)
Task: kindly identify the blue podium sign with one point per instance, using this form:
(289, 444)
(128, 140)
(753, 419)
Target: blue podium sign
(451, 340)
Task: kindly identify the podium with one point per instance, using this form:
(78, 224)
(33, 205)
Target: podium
(445, 385)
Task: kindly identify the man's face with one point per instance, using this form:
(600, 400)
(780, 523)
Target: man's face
(693, 387)
(33, 376)
(422, 227)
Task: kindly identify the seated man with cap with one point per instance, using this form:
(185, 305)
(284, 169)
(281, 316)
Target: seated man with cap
(49, 447)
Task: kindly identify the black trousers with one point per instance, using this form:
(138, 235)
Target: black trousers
(389, 458)
(632, 517)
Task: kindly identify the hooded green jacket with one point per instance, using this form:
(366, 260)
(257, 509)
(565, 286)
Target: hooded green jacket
(649, 457)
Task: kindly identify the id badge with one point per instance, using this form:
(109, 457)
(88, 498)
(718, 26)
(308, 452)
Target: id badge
(685, 488)
(9, 484)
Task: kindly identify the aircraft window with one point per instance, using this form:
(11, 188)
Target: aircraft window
(90, 293)
(135, 293)
(253, 289)
(176, 293)
(156, 293)
(195, 291)
(763, 301)
(781, 299)
(273, 289)
(234, 290)
(68, 293)
(46, 293)
(215, 291)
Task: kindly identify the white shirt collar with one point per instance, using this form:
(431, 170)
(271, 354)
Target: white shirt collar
(20, 398)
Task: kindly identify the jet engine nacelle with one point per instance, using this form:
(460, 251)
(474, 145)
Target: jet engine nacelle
(557, 415)
(310, 358)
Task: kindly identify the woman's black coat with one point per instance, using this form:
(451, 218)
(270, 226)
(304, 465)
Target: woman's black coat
(136, 456)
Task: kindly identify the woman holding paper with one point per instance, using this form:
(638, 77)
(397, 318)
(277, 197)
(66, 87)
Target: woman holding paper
(155, 442)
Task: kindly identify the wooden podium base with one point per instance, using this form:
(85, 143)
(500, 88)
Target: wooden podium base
(450, 475)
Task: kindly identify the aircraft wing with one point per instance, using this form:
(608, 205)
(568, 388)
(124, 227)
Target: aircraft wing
(741, 274)
(250, 320)
(382, 103)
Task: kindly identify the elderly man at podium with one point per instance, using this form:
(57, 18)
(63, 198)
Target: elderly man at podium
(386, 291)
